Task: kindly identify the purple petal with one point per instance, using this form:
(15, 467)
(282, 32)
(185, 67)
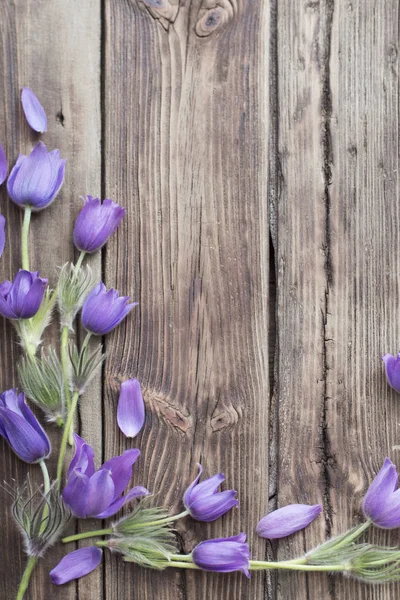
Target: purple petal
(34, 111)
(33, 298)
(3, 165)
(212, 507)
(120, 468)
(2, 234)
(223, 555)
(287, 520)
(130, 412)
(120, 502)
(29, 445)
(74, 493)
(76, 564)
(83, 458)
(392, 366)
(30, 418)
(383, 486)
(100, 493)
(96, 223)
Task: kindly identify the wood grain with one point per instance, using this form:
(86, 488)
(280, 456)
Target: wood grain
(54, 48)
(185, 151)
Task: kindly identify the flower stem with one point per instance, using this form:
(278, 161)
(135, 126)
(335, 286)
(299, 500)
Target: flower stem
(64, 440)
(65, 369)
(86, 534)
(79, 261)
(46, 481)
(25, 237)
(168, 519)
(293, 565)
(23, 586)
(181, 565)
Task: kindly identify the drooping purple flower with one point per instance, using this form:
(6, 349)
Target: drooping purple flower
(96, 223)
(35, 180)
(21, 429)
(203, 501)
(382, 501)
(21, 299)
(130, 411)
(2, 234)
(91, 493)
(76, 564)
(3, 165)
(392, 365)
(287, 520)
(34, 111)
(223, 555)
(103, 310)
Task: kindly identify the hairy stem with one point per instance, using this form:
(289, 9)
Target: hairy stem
(64, 440)
(25, 237)
(23, 586)
(167, 519)
(65, 369)
(79, 261)
(86, 534)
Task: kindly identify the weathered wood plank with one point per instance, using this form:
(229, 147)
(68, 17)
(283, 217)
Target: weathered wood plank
(55, 49)
(185, 151)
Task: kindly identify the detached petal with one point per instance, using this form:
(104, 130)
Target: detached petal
(2, 234)
(34, 111)
(3, 165)
(130, 412)
(76, 564)
(287, 520)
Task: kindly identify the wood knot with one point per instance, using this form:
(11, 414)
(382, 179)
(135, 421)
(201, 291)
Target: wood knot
(212, 18)
(224, 419)
(172, 415)
(164, 11)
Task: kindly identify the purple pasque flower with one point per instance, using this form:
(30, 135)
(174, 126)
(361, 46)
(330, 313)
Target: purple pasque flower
(130, 411)
(96, 223)
(33, 110)
(103, 310)
(35, 180)
(223, 555)
(3, 165)
(203, 501)
(287, 520)
(21, 429)
(392, 365)
(2, 234)
(76, 564)
(22, 298)
(382, 501)
(91, 493)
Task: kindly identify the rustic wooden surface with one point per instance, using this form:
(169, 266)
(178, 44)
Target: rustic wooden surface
(255, 147)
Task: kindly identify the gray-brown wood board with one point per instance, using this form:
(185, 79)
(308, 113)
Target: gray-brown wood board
(221, 127)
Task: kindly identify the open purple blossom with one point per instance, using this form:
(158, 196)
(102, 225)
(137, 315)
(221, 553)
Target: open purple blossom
(130, 411)
(22, 298)
(91, 493)
(76, 564)
(382, 501)
(287, 520)
(103, 310)
(3, 165)
(35, 180)
(2, 234)
(392, 365)
(33, 110)
(203, 501)
(21, 429)
(96, 223)
(223, 555)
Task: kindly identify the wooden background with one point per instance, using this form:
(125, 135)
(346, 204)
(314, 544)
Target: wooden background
(255, 147)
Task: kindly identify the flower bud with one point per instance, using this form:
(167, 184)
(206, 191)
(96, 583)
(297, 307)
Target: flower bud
(103, 310)
(392, 365)
(203, 501)
(22, 298)
(382, 501)
(96, 223)
(223, 555)
(3, 165)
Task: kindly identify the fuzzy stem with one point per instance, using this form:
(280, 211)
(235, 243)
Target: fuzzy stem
(293, 565)
(64, 440)
(23, 586)
(25, 237)
(86, 534)
(46, 481)
(181, 565)
(167, 519)
(79, 261)
(65, 369)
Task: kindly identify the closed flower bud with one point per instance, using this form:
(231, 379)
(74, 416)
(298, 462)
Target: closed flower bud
(21, 429)
(35, 180)
(96, 223)
(287, 520)
(103, 310)
(382, 501)
(76, 564)
(21, 299)
(33, 110)
(2, 234)
(223, 555)
(203, 501)
(392, 365)
(3, 165)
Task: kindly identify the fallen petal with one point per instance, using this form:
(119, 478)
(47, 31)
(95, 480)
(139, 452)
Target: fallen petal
(130, 412)
(34, 111)
(76, 564)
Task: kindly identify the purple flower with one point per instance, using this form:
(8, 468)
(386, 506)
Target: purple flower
(21, 429)
(382, 500)
(76, 564)
(130, 412)
(103, 310)
(2, 234)
(34, 111)
(392, 365)
(96, 223)
(35, 180)
(21, 299)
(223, 555)
(203, 501)
(91, 493)
(287, 520)
(3, 165)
